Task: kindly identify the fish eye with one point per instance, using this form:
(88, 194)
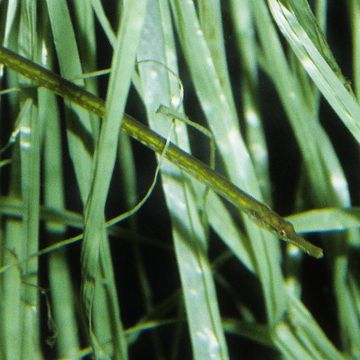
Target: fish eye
(282, 233)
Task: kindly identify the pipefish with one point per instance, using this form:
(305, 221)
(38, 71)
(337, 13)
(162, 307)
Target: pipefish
(257, 211)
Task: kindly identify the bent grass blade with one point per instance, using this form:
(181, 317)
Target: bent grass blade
(257, 211)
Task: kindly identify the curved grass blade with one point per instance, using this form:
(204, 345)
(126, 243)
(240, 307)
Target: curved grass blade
(318, 63)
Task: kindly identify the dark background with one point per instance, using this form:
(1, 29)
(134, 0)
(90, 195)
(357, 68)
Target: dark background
(152, 222)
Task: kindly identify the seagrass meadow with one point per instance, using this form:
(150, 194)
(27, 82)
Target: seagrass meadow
(145, 225)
